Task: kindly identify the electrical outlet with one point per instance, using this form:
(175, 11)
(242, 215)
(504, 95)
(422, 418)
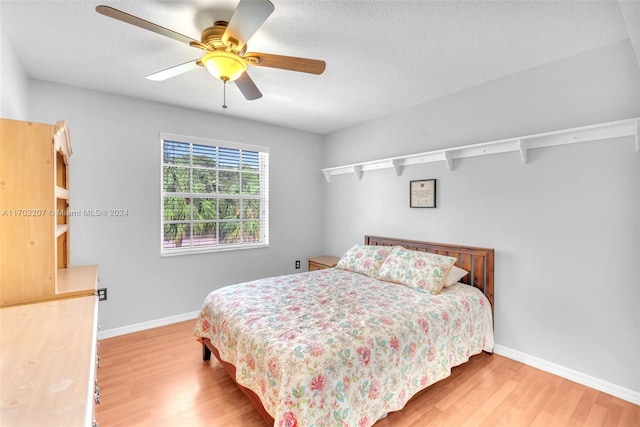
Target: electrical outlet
(297, 264)
(102, 294)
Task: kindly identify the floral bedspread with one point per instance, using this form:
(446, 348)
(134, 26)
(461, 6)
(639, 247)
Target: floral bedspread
(337, 348)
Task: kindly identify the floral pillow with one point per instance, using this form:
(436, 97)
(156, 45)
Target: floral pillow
(423, 271)
(364, 259)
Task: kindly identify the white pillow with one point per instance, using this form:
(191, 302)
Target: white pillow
(454, 276)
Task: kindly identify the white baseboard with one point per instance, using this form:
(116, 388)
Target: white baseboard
(108, 333)
(578, 377)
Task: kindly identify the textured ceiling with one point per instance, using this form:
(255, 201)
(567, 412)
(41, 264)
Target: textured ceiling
(382, 56)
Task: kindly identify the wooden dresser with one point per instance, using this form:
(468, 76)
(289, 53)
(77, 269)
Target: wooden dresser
(48, 358)
(48, 308)
(322, 262)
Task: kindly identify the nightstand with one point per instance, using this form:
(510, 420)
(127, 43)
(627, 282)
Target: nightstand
(322, 262)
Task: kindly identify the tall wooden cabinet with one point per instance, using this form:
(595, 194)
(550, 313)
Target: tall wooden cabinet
(34, 216)
(48, 309)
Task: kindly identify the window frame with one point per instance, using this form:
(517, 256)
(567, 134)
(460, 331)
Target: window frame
(262, 196)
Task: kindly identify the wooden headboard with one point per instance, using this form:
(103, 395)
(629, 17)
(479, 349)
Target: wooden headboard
(477, 261)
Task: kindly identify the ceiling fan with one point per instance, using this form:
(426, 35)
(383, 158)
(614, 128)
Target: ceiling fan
(225, 47)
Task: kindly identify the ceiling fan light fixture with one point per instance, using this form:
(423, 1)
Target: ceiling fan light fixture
(224, 65)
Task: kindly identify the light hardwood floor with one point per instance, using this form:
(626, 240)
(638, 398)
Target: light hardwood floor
(157, 378)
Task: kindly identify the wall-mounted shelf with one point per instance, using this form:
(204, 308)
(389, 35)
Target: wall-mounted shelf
(522, 144)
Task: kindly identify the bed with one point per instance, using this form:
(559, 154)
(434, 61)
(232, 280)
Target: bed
(345, 347)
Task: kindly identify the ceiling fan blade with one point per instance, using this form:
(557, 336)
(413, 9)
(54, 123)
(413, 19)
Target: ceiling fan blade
(139, 22)
(303, 65)
(174, 71)
(248, 87)
(247, 18)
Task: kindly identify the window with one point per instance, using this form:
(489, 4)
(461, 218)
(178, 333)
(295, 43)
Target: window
(215, 195)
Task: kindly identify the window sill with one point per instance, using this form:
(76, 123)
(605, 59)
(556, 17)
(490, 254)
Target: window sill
(192, 251)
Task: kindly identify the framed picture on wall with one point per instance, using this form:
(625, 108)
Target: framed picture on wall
(422, 193)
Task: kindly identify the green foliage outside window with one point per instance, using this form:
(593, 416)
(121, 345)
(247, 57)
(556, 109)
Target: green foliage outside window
(211, 196)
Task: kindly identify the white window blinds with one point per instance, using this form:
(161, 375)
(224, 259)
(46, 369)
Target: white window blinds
(215, 195)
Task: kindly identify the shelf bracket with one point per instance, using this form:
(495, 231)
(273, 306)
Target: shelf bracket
(524, 151)
(637, 136)
(397, 166)
(327, 175)
(448, 157)
(358, 171)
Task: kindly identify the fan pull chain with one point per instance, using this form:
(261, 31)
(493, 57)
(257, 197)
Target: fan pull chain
(224, 94)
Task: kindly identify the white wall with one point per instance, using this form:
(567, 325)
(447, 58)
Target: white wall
(631, 15)
(13, 83)
(116, 164)
(565, 226)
